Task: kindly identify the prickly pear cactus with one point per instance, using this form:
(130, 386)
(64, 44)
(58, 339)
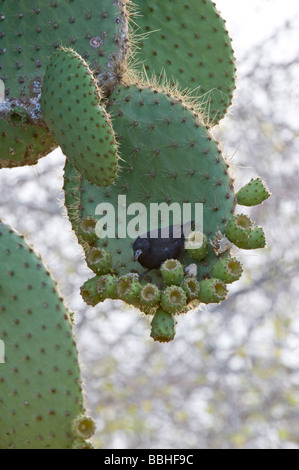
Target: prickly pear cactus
(168, 156)
(41, 402)
(132, 134)
(30, 34)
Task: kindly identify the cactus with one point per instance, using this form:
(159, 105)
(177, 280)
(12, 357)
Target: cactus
(145, 140)
(189, 41)
(163, 327)
(227, 269)
(212, 291)
(71, 108)
(30, 33)
(41, 403)
(172, 272)
(253, 193)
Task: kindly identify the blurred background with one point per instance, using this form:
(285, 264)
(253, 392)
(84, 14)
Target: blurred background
(231, 377)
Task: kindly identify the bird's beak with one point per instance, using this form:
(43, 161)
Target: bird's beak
(137, 254)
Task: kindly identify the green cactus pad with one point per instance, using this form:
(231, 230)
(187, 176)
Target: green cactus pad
(253, 193)
(212, 291)
(256, 239)
(71, 108)
(163, 327)
(227, 269)
(189, 41)
(172, 272)
(173, 299)
(154, 131)
(22, 143)
(40, 387)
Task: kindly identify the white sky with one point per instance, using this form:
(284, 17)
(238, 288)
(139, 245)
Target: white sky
(250, 21)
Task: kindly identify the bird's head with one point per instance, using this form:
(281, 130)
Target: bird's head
(140, 246)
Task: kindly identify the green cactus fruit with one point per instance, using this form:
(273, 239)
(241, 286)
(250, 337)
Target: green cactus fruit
(173, 299)
(81, 444)
(99, 260)
(202, 251)
(106, 287)
(253, 193)
(172, 272)
(40, 385)
(189, 41)
(149, 298)
(238, 228)
(71, 108)
(191, 287)
(89, 291)
(154, 130)
(255, 240)
(83, 427)
(87, 230)
(163, 327)
(30, 34)
(227, 269)
(128, 289)
(212, 291)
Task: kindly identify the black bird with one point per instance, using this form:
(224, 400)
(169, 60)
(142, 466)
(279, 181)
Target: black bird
(153, 249)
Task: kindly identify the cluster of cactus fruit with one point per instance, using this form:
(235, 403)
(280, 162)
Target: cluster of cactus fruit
(131, 93)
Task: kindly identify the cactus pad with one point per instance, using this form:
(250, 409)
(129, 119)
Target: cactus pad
(70, 105)
(189, 41)
(40, 388)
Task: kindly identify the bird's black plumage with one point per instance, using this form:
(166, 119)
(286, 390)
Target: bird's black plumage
(151, 251)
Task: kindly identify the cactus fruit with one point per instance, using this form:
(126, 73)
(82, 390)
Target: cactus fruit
(253, 193)
(163, 327)
(87, 230)
(149, 298)
(189, 41)
(238, 228)
(227, 269)
(191, 287)
(173, 299)
(212, 291)
(198, 253)
(30, 33)
(256, 239)
(172, 272)
(40, 386)
(70, 105)
(99, 260)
